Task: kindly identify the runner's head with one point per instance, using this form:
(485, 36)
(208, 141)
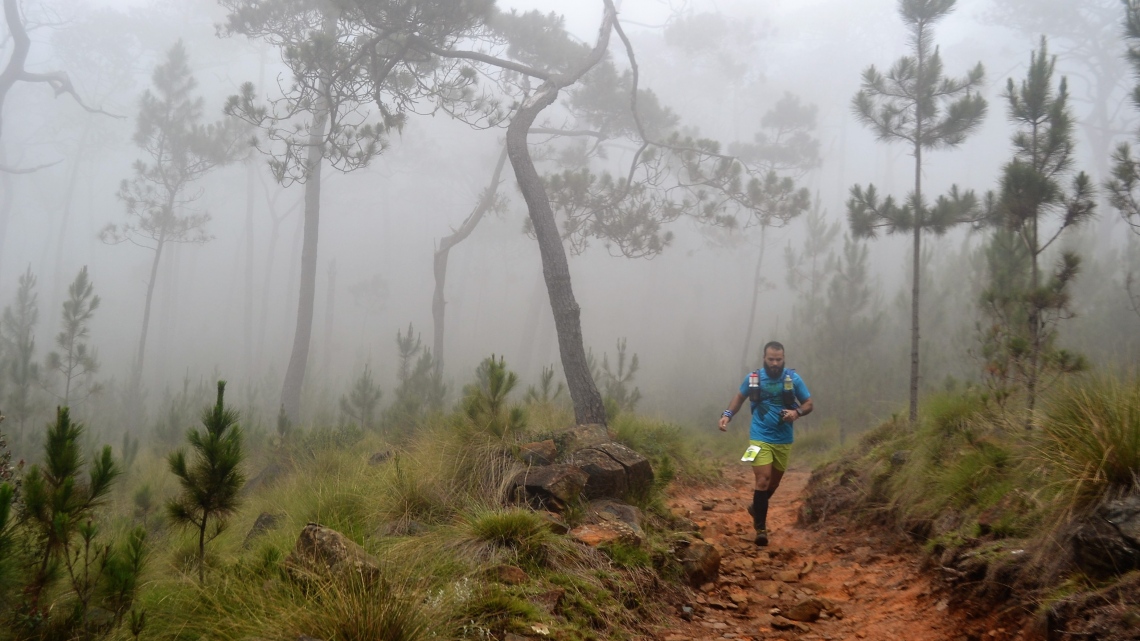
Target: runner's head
(773, 359)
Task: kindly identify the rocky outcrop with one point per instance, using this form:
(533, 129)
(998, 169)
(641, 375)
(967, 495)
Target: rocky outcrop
(539, 453)
(1107, 543)
(265, 521)
(322, 551)
(638, 470)
(549, 487)
(605, 477)
(699, 561)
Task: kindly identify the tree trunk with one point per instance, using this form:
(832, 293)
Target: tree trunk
(916, 265)
(202, 550)
(136, 380)
(65, 217)
(755, 299)
(330, 306)
(6, 198)
(247, 302)
(314, 159)
(441, 254)
(1034, 326)
(588, 405)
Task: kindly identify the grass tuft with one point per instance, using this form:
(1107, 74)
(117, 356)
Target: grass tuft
(1092, 438)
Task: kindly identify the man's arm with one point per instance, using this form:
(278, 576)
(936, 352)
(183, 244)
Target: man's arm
(733, 408)
(805, 408)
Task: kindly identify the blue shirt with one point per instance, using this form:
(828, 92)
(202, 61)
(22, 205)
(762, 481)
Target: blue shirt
(767, 422)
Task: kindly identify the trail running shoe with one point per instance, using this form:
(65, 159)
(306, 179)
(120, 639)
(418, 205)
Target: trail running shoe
(762, 538)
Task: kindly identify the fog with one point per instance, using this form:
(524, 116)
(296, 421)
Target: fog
(220, 312)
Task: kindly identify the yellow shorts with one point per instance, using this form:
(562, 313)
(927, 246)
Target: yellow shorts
(774, 454)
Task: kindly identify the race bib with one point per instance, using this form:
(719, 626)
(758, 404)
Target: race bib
(750, 453)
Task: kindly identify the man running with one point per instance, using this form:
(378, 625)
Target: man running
(779, 398)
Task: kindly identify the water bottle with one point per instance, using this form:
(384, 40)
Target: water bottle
(754, 387)
(789, 392)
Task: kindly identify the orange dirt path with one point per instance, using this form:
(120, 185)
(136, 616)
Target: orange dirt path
(872, 594)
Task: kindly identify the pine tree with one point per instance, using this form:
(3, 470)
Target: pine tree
(485, 402)
(76, 361)
(361, 401)
(1042, 197)
(211, 481)
(915, 104)
(180, 150)
(60, 504)
(616, 383)
(17, 334)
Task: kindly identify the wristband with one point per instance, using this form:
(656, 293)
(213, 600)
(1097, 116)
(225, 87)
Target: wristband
(727, 414)
(799, 413)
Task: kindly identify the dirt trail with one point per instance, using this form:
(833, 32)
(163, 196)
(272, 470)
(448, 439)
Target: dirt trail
(865, 592)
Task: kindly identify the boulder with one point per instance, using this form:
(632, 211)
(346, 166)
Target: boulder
(638, 470)
(699, 561)
(595, 534)
(266, 477)
(508, 574)
(538, 453)
(1124, 515)
(583, 436)
(380, 457)
(549, 486)
(323, 551)
(605, 476)
(265, 521)
(807, 610)
(608, 510)
(1101, 550)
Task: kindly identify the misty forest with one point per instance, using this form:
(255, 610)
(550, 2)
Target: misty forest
(349, 320)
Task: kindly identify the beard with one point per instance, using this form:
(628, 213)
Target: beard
(773, 373)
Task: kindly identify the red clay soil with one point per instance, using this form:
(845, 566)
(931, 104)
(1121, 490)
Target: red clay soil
(865, 591)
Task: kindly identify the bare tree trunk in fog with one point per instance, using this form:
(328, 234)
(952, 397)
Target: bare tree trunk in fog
(330, 306)
(756, 278)
(6, 200)
(247, 304)
(271, 253)
(136, 378)
(314, 160)
(916, 271)
(486, 202)
(588, 405)
(68, 200)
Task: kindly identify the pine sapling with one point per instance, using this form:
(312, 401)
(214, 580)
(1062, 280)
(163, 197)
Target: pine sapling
(211, 481)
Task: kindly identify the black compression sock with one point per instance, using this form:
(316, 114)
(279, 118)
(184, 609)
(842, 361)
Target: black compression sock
(760, 509)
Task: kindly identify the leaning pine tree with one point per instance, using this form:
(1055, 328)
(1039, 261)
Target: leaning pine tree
(915, 104)
(211, 482)
(1041, 197)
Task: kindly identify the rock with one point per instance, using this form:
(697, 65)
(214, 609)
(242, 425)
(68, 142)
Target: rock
(787, 576)
(380, 457)
(1101, 550)
(610, 510)
(538, 453)
(764, 620)
(550, 486)
(265, 521)
(606, 477)
(550, 600)
(781, 623)
(900, 458)
(639, 471)
(323, 551)
(708, 505)
(700, 561)
(1124, 515)
(554, 522)
(265, 477)
(582, 436)
(807, 610)
(603, 533)
(508, 574)
(768, 588)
